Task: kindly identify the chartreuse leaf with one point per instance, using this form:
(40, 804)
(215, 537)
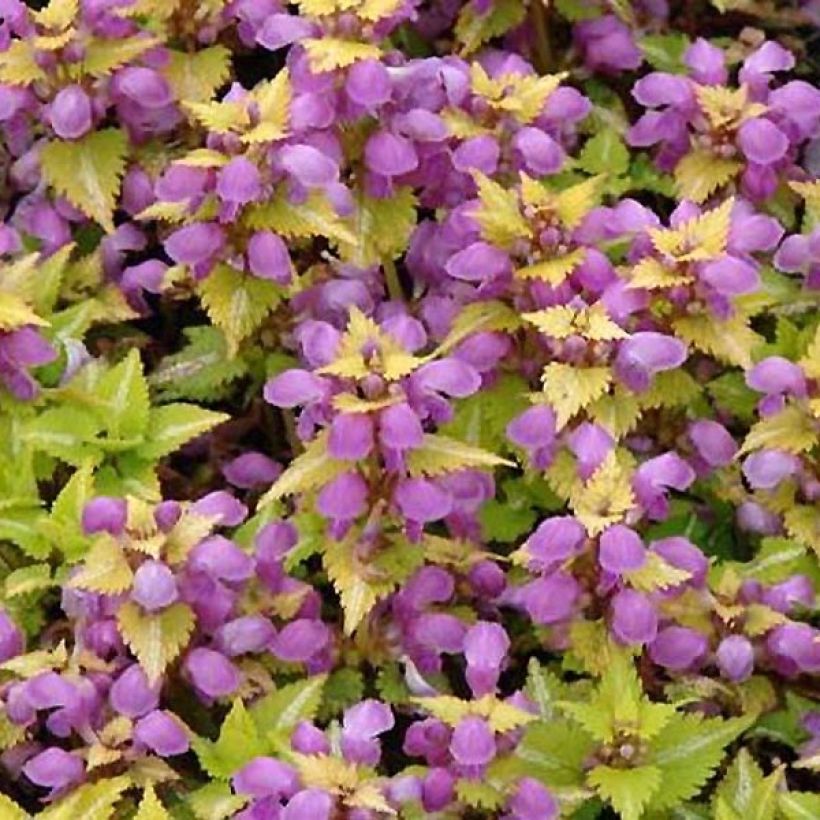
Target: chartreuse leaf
(124, 391)
(237, 302)
(216, 801)
(688, 751)
(799, 805)
(312, 217)
(196, 75)
(105, 569)
(628, 790)
(790, 430)
(312, 469)
(103, 56)
(744, 793)
(202, 371)
(381, 228)
(24, 580)
(156, 638)
(439, 454)
(605, 153)
(65, 433)
(729, 341)
(479, 794)
(474, 28)
(700, 173)
(329, 53)
(569, 389)
(10, 810)
(150, 807)
(605, 498)
(92, 801)
(554, 751)
(172, 425)
(273, 99)
(499, 215)
(277, 713)
(238, 743)
(88, 172)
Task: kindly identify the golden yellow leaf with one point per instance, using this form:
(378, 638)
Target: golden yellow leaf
(700, 173)
(498, 214)
(554, 271)
(329, 53)
(105, 568)
(570, 389)
(605, 498)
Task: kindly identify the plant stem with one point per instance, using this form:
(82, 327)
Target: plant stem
(539, 11)
(391, 278)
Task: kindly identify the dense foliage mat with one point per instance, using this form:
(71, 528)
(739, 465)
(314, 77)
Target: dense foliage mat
(409, 408)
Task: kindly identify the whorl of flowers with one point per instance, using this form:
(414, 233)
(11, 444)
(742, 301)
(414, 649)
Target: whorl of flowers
(409, 409)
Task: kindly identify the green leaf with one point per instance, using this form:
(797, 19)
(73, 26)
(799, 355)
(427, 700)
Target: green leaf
(664, 52)
(281, 710)
(473, 29)
(202, 371)
(745, 793)
(88, 171)
(628, 790)
(688, 751)
(554, 752)
(381, 228)
(238, 743)
(482, 419)
(343, 688)
(124, 391)
(172, 425)
(731, 394)
(237, 302)
(605, 153)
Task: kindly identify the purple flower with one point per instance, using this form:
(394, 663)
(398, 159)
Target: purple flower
(162, 734)
(390, 155)
(154, 586)
(70, 114)
(344, 498)
(607, 45)
(105, 514)
(713, 442)
(643, 355)
(552, 598)
(266, 777)
(421, 500)
(301, 640)
(473, 743)
(268, 257)
(308, 804)
(485, 649)
(195, 244)
(621, 550)
(131, 695)
(735, 658)
(212, 673)
(556, 540)
(534, 431)
(678, 648)
(251, 470)
(54, 769)
(634, 619)
(11, 637)
(361, 726)
(532, 801)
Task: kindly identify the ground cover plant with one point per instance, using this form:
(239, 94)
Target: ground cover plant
(409, 408)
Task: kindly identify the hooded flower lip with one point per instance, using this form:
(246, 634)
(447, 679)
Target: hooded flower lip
(645, 354)
(162, 734)
(54, 769)
(473, 743)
